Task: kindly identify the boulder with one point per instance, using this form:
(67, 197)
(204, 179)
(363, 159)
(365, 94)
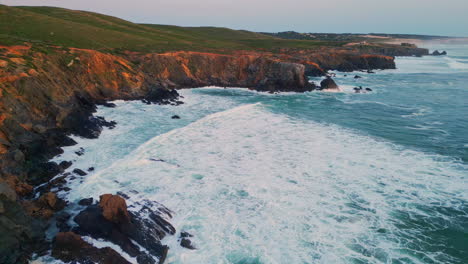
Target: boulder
(65, 164)
(186, 243)
(328, 83)
(114, 208)
(79, 172)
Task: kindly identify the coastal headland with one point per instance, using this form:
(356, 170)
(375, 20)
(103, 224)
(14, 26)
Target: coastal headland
(57, 65)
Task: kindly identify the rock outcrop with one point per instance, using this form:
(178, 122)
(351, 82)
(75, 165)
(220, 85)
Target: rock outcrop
(110, 220)
(328, 84)
(438, 53)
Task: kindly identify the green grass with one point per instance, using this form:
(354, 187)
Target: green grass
(81, 29)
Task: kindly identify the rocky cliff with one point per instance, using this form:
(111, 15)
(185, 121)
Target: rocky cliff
(47, 93)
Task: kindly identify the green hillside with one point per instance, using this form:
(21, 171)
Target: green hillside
(81, 29)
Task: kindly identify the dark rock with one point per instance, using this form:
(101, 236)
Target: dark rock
(357, 77)
(43, 172)
(160, 95)
(123, 195)
(184, 234)
(58, 181)
(70, 247)
(107, 104)
(145, 259)
(369, 89)
(328, 83)
(65, 189)
(91, 169)
(79, 172)
(86, 201)
(65, 165)
(437, 53)
(370, 71)
(175, 117)
(186, 243)
(110, 220)
(92, 223)
(80, 152)
(61, 221)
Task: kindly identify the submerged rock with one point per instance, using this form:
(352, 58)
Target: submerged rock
(175, 117)
(80, 152)
(357, 77)
(79, 172)
(86, 201)
(437, 53)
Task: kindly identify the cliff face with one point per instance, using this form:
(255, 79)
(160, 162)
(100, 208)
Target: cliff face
(47, 93)
(193, 69)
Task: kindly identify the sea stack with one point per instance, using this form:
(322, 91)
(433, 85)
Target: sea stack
(329, 84)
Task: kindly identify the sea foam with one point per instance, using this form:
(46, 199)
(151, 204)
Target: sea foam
(258, 187)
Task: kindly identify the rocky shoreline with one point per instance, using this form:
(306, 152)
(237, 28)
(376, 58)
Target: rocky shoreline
(48, 95)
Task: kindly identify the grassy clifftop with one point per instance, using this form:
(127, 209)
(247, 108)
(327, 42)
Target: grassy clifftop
(81, 29)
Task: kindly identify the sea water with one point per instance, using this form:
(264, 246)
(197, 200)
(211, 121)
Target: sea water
(376, 177)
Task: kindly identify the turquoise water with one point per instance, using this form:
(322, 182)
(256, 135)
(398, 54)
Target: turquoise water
(318, 177)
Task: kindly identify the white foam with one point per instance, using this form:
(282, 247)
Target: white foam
(457, 64)
(257, 187)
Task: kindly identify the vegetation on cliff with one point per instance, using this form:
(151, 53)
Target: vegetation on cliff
(81, 29)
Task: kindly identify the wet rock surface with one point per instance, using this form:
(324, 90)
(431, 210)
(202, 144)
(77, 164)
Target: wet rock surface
(111, 220)
(328, 83)
(70, 247)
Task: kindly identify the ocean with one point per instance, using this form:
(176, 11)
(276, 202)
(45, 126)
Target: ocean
(376, 177)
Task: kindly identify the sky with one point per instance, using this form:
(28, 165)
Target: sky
(430, 17)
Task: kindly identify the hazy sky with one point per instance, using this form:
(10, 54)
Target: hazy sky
(448, 17)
